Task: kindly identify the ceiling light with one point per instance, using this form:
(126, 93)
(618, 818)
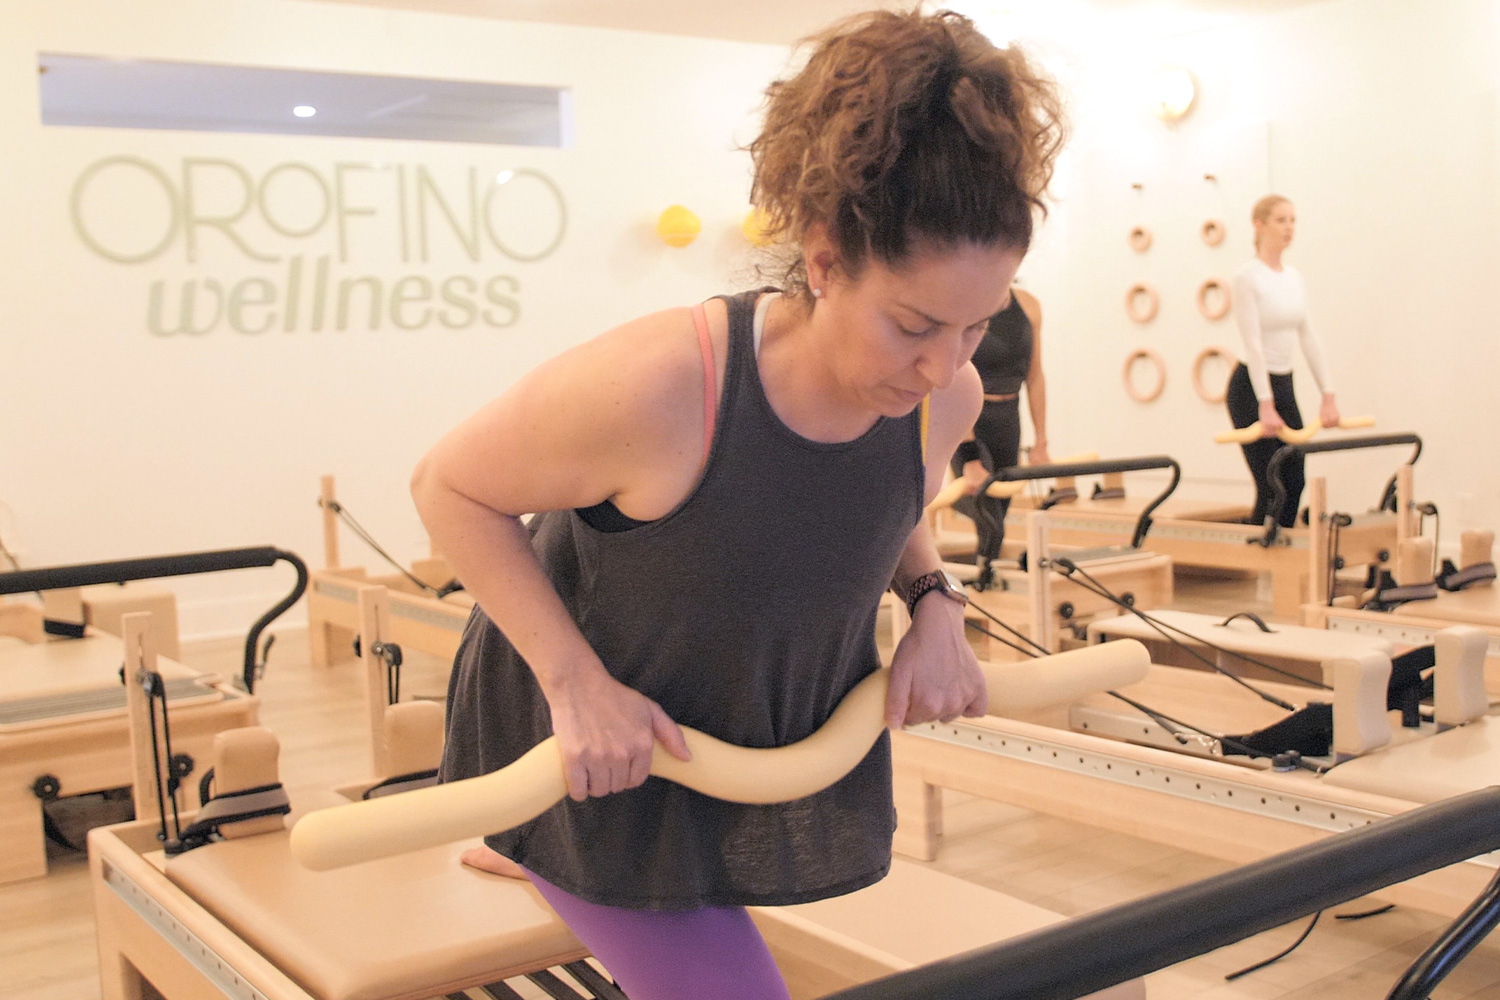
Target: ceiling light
(304, 111)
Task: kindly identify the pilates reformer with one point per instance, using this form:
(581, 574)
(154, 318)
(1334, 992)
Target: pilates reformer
(426, 600)
(1053, 605)
(1175, 780)
(63, 726)
(239, 917)
(1215, 537)
(1418, 598)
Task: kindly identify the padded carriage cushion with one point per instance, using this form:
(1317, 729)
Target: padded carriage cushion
(1436, 767)
(416, 924)
(914, 916)
(1475, 606)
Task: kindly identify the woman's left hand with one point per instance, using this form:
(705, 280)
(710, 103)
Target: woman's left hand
(1328, 413)
(934, 673)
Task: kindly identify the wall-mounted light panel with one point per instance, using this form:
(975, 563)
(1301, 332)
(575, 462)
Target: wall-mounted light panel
(148, 94)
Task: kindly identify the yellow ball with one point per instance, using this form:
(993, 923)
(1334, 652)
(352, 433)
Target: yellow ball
(678, 227)
(754, 227)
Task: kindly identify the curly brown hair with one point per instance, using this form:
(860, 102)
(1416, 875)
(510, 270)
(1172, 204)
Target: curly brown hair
(905, 129)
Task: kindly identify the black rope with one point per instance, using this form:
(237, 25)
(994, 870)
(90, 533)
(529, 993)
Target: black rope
(1228, 741)
(147, 682)
(1279, 956)
(1040, 649)
(976, 626)
(1066, 567)
(9, 556)
(369, 540)
(166, 734)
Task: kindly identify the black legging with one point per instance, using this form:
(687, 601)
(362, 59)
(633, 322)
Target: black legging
(1244, 410)
(998, 429)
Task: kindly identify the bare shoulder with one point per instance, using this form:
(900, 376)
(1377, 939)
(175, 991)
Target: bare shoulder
(951, 413)
(616, 414)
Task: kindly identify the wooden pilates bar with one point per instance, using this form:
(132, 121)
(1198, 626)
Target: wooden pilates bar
(1096, 950)
(156, 567)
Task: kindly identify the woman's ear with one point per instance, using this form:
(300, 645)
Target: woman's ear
(820, 256)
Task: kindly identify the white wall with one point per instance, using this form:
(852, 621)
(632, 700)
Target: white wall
(1379, 119)
(116, 442)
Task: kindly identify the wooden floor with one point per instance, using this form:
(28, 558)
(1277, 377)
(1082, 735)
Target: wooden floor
(47, 932)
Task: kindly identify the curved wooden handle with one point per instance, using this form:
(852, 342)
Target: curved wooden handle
(953, 491)
(377, 828)
(1245, 435)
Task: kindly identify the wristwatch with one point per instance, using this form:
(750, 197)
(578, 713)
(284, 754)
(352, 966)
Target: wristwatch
(939, 580)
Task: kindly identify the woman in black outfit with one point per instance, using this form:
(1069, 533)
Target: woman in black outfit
(1009, 356)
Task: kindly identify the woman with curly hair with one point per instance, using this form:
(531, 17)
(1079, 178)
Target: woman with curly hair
(727, 489)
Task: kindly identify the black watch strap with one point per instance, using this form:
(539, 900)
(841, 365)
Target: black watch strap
(926, 584)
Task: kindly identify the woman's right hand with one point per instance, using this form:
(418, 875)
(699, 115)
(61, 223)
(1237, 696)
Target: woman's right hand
(1270, 421)
(974, 476)
(607, 732)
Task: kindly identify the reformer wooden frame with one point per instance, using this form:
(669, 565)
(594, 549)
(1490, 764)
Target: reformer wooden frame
(85, 751)
(1232, 812)
(1416, 623)
(151, 929)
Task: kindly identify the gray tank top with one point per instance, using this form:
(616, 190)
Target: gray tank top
(747, 612)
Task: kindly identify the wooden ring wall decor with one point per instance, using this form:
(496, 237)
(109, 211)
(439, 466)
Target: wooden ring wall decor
(1206, 305)
(1213, 232)
(1145, 354)
(1203, 357)
(1140, 239)
(1141, 302)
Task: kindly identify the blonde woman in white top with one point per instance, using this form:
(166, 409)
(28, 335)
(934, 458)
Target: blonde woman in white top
(1270, 308)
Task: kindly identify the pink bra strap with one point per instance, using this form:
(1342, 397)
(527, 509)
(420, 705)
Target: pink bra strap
(710, 385)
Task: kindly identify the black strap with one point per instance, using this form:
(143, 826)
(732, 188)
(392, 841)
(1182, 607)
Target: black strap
(1055, 496)
(231, 807)
(1452, 578)
(402, 783)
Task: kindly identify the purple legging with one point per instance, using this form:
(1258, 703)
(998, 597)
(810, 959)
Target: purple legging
(673, 954)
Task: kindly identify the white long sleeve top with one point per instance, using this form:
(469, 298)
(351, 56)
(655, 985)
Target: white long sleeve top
(1270, 308)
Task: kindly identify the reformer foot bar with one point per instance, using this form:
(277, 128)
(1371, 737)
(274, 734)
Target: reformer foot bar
(125, 570)
(1287, 452)
(1097, 950)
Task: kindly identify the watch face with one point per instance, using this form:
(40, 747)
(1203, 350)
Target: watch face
(955, 587)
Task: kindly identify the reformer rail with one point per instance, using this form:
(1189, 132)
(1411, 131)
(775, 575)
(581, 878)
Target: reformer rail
(1098, 950)
(1285, 453)
(1059, 470)
(156, 567)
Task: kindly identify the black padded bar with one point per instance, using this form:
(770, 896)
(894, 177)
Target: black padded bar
(1285, 453)
(1093, 952)
(156, 567)
(125, 570)
(1058, 470)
